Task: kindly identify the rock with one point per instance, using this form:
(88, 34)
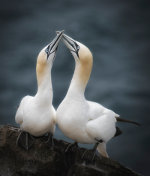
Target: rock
(43, 160)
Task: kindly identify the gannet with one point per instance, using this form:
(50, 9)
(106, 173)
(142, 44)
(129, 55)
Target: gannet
(79, 119)
(36, 114)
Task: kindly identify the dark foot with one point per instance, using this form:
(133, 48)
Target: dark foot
(89, 155)
(50, 140)
(72, 147)
(25, 140)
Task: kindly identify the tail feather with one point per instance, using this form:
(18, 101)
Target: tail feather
(127, 121)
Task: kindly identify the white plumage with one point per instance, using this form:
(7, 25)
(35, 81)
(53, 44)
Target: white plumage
(81, 120)
(36, 117)
(36, 114)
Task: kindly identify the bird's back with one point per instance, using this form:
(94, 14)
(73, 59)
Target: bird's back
(101, 124)
(96, 110)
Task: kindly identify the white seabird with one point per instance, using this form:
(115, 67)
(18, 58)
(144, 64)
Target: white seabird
(36, 114)
(79, 119)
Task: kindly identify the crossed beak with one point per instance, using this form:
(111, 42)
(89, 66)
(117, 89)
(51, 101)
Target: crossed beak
(52, 47)
(71, 44)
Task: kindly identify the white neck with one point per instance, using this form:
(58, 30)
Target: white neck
(75, 90)
(79, 81)
(45, 91)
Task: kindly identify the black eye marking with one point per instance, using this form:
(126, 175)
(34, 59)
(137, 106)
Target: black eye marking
(47, 51)
(76, 47)
(51, 46)
(77, 52)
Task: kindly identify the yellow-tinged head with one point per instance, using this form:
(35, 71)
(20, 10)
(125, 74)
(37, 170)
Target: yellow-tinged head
(82, 56)
(46, 57)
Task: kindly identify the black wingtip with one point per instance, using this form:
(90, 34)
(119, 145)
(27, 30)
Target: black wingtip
(118, 132)
(127, 121)
(138, 124)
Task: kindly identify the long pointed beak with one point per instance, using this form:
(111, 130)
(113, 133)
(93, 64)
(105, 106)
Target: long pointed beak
(71, 44)
(52, 47)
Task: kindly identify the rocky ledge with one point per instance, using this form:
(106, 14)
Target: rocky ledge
(43, 160)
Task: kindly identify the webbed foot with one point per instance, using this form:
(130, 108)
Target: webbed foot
(89, 155)
(50, 140)
(73, 147)
(25, 140)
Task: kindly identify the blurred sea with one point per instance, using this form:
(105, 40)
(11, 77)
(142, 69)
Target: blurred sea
(118, 34)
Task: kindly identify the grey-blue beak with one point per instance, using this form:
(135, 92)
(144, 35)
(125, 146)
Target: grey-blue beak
(52, 47)
(70, 43)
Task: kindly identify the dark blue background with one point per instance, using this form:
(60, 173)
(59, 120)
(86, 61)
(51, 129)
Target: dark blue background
(118, 34)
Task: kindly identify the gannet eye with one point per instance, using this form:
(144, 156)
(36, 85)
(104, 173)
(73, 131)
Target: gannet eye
(76, 48)
(47, 51)
(77, 52)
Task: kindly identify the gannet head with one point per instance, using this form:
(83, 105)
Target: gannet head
(46, 57)
(83, 58)
(79, 51)
(48, 53)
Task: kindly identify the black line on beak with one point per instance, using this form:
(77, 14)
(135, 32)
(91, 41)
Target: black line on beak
(55, 42)
(50, 48)
(76, 48)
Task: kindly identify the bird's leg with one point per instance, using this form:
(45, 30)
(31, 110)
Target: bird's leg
(25, 140)
(90, 154)
(72, 147)
(50, 140)
(18, 138)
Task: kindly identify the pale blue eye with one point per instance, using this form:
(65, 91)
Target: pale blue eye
(47, 51)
